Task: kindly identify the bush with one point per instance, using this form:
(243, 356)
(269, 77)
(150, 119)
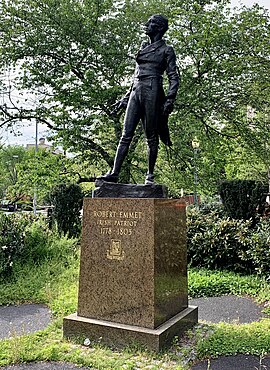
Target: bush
(42, 243)
(243, 199)
(217, 242)
(259, 250)
(37, 239)
(67, 202)
(27, 239)
(12, 234)
(216, 207)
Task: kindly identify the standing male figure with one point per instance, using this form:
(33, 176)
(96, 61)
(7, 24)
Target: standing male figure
(146, 100)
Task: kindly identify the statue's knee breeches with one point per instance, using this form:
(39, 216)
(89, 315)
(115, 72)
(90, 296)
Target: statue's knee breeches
(125, 140)
(152, 141)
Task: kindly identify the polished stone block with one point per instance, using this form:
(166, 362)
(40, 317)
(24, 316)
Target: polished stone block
(133, 260)
(120, 335)
(133, 270)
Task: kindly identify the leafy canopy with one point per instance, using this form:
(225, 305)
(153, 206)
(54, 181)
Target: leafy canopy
(77, 58)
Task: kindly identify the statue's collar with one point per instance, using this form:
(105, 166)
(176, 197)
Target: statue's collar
(146, 47)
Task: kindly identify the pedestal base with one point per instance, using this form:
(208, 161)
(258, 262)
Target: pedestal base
(111, 190)
(121, 335)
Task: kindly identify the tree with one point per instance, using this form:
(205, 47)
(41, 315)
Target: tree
(24, 171)
(77, 72)
(40, 172)
(224, 61)
(10, 157)
(77, 57)
(67, 203)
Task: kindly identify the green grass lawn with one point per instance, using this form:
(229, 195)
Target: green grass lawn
(54, 281)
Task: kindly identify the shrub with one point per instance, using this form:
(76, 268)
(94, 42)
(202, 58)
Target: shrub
(67, 202)
(12, 234)
(216, 207)
(243, 199)
(37, 238)
(259, 249)
(25, 238)
(216, 241)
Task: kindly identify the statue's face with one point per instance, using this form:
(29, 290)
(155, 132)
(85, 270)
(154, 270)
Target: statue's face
(152, 26)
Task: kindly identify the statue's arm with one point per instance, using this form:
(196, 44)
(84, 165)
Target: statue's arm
(173, 78)
(122, 103)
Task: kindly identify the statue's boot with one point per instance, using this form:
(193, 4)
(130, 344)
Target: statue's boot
(149, 180)
(152, 157)
(120, 155)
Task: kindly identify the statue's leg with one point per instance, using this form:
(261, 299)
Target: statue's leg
(150, 119)
(120, 154)
(152, 152)
(132, 118)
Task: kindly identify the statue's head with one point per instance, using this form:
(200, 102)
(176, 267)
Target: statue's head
(156, 23)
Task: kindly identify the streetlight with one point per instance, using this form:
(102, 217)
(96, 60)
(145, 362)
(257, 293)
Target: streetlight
(35, 188)
(195, 145)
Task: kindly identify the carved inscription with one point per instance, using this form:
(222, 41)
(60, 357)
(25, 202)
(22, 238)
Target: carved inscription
(117, 224)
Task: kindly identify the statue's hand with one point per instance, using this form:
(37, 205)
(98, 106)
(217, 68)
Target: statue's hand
(120, 104)
(168, 107)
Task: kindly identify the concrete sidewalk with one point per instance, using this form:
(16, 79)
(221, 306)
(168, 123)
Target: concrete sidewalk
(228, 308)
(16, 320)
(238, 362)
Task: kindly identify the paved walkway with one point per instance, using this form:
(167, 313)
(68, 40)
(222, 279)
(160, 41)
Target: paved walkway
(228, 308)
(23, 319)
(239, 362)
(28, 318)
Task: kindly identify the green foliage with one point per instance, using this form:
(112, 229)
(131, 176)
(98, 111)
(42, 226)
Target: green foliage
(25, 239)
(12, 240)
(41, 171)
(67, 203)
(243, 199)
(41, 244)
(259, 250)
(37, 237)
(25, 171)
(76, 74)
(10, 158)
(217, 241)
(45, 271)
(209, 283)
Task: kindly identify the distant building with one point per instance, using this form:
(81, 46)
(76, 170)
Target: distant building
(43, 145)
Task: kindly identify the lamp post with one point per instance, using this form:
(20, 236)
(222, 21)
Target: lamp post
(195, 145)
(35, 188)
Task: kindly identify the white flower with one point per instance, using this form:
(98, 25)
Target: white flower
(4, 247)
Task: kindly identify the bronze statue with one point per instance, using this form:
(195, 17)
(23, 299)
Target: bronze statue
(146, 100)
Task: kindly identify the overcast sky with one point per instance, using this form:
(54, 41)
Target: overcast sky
(265, 3)
(28, 133)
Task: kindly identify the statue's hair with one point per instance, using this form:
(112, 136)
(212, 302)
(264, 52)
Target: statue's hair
(162, 21)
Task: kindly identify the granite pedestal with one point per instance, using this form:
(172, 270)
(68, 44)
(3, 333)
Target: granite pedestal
(133, 273)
